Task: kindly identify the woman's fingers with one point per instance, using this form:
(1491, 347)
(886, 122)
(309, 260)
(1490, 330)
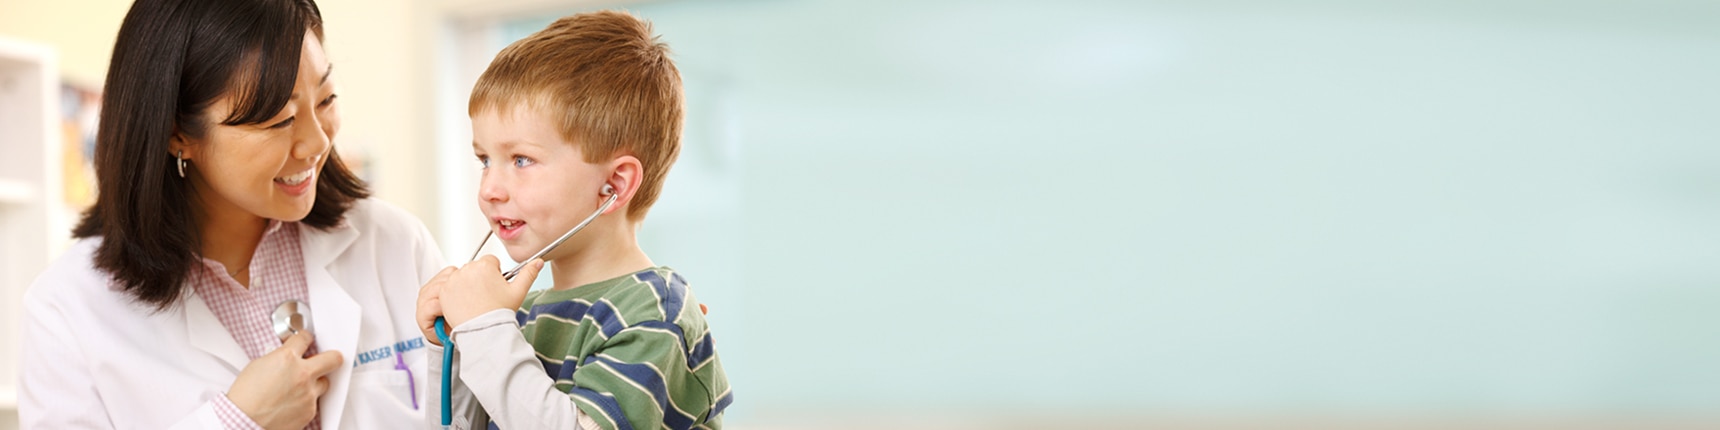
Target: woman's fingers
(298, 343)
(324, 362)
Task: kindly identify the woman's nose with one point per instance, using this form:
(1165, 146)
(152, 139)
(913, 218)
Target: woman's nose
(312, 140)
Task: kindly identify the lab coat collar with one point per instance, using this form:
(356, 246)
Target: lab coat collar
(205, 330)
(335, 316)
(208, 334)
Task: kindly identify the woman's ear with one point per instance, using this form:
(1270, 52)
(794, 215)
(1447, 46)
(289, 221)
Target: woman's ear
(625, 175)
(179, 147)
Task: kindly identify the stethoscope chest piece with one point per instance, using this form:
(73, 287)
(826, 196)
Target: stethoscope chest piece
(291, 317)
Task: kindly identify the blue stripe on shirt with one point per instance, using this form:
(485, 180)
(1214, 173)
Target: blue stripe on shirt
(722, 404)
(702, 352)
(672, 293)
(607, 405)
(644, 376)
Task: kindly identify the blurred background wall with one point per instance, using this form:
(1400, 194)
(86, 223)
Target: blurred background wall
(966, 214)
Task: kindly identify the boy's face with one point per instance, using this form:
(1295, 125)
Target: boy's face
(534, 182)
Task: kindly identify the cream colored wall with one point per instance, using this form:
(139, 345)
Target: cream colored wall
(381, 51)
(82, 31)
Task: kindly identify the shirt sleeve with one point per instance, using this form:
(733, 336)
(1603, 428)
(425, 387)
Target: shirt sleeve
(231, 417)
(503, 373)
(466, 412)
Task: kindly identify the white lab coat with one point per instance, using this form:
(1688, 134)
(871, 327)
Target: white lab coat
(95, 359)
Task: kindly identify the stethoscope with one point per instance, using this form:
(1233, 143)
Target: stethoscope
(294, 315)
(442, 324)
(290, 318)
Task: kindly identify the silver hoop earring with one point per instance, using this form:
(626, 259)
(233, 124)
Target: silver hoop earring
(181, 158)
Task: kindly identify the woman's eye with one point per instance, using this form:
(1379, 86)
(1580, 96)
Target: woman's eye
(283, 124)
(328, 101)
(522, 161)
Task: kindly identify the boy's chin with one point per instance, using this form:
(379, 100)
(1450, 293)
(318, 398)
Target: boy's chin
(518, 256)
(515, 252)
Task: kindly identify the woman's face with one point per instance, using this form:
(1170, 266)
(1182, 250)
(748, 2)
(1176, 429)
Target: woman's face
(267, 170)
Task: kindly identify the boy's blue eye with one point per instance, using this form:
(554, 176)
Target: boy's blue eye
(483, 162)
(522, 161)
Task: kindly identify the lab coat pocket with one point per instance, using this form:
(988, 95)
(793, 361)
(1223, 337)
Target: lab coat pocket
(392, 399)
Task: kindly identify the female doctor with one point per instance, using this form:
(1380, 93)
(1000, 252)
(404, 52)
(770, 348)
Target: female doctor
(221, 198)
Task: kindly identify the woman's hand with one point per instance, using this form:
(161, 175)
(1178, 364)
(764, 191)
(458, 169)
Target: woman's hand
(478, 288)
(430, 305)
(280, 389)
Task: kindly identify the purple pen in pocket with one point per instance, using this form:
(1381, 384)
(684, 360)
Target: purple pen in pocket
(411, 384)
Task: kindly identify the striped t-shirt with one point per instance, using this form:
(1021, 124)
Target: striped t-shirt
(631, 352)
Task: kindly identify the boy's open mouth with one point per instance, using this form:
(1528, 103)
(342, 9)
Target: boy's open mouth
(508, 228)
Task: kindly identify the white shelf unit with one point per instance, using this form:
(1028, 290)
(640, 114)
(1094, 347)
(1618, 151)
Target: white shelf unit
(34, 225)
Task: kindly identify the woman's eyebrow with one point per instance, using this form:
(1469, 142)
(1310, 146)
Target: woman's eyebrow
(326, 72)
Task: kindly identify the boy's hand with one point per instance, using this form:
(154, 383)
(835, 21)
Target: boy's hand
(478, 288)
(430, 304)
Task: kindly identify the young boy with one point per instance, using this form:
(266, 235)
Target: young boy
(587, 108)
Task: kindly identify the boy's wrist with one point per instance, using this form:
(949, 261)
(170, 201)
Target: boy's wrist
(460, 316)
(480, 321)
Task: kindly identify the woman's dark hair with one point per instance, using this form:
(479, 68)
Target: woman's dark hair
(172, 60)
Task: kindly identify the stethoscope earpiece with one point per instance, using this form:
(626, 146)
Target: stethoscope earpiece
(608, 189)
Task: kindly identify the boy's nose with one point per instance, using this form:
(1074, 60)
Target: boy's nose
(492, 191)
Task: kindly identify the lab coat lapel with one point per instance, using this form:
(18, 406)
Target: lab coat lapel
(335, 316)
(209, 335)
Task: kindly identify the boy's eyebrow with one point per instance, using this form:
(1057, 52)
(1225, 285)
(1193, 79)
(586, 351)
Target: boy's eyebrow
(503, 145)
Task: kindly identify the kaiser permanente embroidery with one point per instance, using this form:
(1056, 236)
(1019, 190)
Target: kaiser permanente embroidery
(387, 351)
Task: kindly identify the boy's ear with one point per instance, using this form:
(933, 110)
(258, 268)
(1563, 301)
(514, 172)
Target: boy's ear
(625, 174)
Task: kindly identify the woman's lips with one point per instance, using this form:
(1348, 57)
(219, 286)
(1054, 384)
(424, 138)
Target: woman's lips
(296, 184)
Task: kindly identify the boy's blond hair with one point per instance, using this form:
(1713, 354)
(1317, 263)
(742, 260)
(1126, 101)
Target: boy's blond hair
(608, 82)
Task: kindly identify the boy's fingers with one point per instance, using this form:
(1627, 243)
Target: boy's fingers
(440, 277)
(428, 311)
(488, 261)
(523, 280)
